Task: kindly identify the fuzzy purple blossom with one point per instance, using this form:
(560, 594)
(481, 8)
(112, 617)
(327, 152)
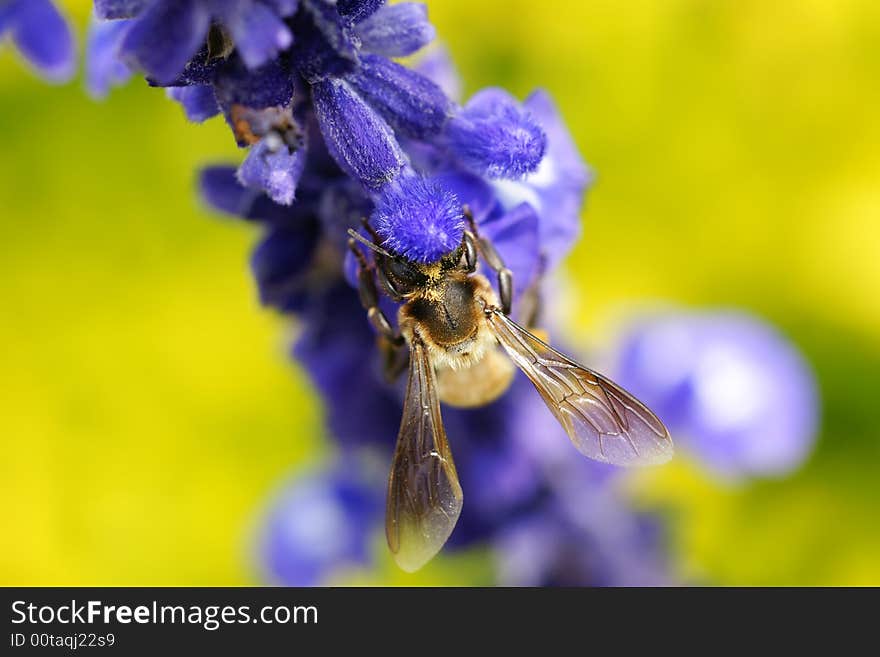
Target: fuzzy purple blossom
(41, 35)
(495, 136)
(419, 219)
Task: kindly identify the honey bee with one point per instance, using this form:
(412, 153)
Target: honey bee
(453, 322)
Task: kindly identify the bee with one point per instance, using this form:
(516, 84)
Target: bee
(452, 321)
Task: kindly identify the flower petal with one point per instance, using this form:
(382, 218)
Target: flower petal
(268, 86)
(113, 9)
(259, 34)
(219, 187)
(104, 69)
(495, 136)
(514, 235)
(271, 167)
(358, 139)
(44, 38)
(281, 261)
(323, 47)
(166, 36)
(436, 65)
(337, 347)
(560, 181)
(396, 30)
(410, 102)
(283, 8)
(472, 191)
(418, 218)
(199, 102)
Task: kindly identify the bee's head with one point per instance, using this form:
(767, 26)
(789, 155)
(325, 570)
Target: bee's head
(406, 277)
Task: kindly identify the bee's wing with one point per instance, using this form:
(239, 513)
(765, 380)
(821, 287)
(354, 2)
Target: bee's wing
(424, 496)
(602, 419)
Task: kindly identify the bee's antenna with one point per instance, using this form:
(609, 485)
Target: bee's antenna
(363, 240)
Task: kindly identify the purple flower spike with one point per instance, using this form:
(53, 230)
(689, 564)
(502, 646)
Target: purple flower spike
(357, 138)
(495, 136)
(410, 102)
(396, 30)
(270, 166)
(42, 35)
(419, 219)
(113, 9)
(165, 37)
(198, 102)
(728, 386)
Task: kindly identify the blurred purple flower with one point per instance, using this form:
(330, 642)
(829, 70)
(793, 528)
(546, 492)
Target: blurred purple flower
(322, 521)
(729, 387)
(104, 69)
(606, 545)
(41, 35)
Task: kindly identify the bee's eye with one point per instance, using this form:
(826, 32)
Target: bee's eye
(405, 277)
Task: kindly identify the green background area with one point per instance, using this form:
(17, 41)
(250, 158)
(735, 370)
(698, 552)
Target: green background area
(147, 409)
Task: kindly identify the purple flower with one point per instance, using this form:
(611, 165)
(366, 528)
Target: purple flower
(164, 35)
(556, 189)
(198, 101)
(41, 35)
(605, 544)
(729, 387)
(283, 260)
(322, 521)
(372, 156)
(308, 58)
(496, 137)
(419, 219)
(411, 103)
(272, 167)
(104, 69)
(395, 30)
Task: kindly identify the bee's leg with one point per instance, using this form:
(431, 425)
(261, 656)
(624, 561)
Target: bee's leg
(387, 285)
(394, 359)
(530, 306)
(470, 251)
(490, 255)
(370, 298)
(377, 239)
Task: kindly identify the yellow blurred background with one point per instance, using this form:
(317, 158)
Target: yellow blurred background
(147, 408)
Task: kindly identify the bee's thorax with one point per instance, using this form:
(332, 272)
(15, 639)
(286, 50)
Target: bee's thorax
(450, 320)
